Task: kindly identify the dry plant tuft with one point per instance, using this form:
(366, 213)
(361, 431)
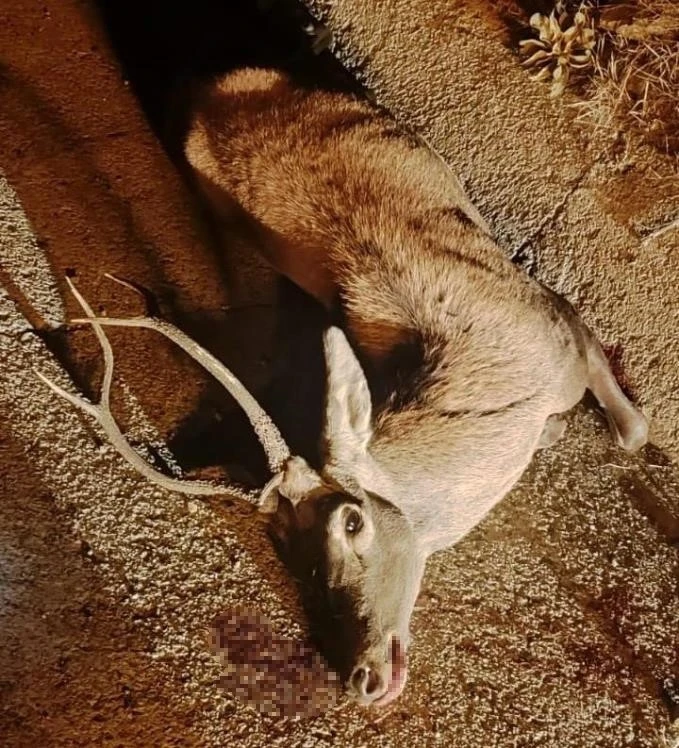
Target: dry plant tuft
(630, 50)
(565, 43)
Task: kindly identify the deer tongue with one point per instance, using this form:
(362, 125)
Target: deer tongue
(399, 673)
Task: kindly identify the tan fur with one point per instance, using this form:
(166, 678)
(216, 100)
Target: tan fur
(475, 356)
(366, 219)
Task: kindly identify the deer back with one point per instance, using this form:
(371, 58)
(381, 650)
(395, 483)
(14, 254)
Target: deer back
(465, 354)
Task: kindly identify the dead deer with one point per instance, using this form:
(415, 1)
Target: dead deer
(327, 519)
(470, 359)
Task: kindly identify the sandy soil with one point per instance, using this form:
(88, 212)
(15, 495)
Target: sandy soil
(553, 623)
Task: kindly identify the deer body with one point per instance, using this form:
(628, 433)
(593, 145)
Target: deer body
(370, 222)
(468, 358)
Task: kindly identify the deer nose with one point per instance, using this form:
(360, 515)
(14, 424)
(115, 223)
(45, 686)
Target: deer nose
(367, 683)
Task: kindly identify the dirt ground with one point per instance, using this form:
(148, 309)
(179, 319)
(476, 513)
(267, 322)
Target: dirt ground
(554, 623)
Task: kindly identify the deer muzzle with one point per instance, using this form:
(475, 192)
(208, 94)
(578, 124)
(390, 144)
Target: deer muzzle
(378, 680)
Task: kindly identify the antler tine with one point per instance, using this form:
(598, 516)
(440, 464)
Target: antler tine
(103, 415)
(275, 447)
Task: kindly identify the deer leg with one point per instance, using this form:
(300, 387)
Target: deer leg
(627, 423)
(554, 428)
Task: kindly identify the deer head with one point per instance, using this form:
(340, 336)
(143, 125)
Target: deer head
(355, 554)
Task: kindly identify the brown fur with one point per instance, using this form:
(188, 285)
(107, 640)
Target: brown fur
(367, 220)
(373, 225)
(360, 216)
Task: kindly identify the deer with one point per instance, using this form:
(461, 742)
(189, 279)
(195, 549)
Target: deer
(447, 366)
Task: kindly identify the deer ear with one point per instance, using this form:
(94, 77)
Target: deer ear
(282, 524)
(296, 482)
(348, 408)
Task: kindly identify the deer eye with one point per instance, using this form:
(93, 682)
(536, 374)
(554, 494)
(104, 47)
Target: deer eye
(353, 522)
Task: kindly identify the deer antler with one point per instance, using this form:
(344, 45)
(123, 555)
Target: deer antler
(276, 449)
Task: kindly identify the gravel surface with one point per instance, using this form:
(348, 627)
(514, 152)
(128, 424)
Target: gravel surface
(554, 623)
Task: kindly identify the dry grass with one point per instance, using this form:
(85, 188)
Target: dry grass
(636, 66)
(633, 83)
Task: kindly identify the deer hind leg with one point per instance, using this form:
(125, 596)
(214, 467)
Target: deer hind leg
(627, 423)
